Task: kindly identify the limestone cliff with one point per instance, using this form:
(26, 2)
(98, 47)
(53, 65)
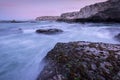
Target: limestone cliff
(104, 11)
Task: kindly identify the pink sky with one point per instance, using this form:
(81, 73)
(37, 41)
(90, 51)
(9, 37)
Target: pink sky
(30, 9)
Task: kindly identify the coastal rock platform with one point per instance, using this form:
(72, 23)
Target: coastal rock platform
(82, 61)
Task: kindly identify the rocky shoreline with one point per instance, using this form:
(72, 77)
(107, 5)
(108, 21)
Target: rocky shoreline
(85, 60)
(100, 12)
(82, 61)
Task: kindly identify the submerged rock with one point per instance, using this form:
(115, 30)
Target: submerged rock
(82, 61)
(117, 37)
(49, 31)
(11, 31)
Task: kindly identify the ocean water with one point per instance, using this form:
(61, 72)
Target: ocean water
(22, 49)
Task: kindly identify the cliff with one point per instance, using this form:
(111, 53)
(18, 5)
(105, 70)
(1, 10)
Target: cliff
(82, 61)
(104, 11)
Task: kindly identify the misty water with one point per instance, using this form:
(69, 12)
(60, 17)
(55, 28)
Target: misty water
(22, 49)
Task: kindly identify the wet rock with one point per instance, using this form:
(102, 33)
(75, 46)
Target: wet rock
(76, 61)
(49, 31)
(117, 37)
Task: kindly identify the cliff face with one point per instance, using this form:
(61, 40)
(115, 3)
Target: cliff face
(93, 9)
(99, 11)
(70, 15)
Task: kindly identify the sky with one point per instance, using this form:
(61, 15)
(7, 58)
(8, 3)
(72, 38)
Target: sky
(30, 9)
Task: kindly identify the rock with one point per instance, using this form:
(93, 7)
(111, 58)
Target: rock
(47, 18)
(49, 31)
(71, 16)
(13, 21)
(100, 12)
(117, 37)
(76, 61)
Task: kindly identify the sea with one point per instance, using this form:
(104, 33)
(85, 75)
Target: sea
(22, 49)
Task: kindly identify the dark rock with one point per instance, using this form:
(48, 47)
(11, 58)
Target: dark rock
(49, 31)
(82, 61)
(20, 29)
(117, 37)
(13, 21)
(100, 12)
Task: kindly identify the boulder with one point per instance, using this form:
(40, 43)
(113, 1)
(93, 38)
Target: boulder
(82, 61)
(49, 31)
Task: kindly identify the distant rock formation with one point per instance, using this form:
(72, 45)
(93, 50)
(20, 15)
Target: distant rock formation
(82, 61)
(49, 18)
(104, 11)
(13, 21)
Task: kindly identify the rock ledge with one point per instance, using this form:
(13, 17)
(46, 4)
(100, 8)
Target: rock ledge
(82, 61)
